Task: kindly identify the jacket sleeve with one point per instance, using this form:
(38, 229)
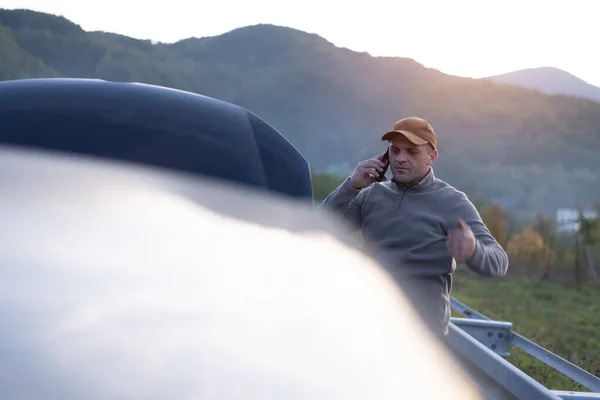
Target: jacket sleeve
(489, 259)
(346, 201)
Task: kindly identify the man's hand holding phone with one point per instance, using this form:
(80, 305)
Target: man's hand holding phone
(368, 171)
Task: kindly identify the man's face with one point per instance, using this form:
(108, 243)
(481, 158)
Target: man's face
(408, 161)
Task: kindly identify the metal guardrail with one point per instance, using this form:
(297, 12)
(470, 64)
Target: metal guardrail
(485, 344)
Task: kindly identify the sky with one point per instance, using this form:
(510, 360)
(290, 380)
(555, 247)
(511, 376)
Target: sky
(472, 38)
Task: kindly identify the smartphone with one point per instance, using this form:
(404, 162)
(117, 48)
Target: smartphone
(386, 159)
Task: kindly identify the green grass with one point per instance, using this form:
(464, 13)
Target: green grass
(558, 318)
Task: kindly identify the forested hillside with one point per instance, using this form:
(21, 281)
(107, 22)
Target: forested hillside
(333, 104)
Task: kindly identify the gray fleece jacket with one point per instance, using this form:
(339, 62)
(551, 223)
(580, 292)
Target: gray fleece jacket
(405, 229)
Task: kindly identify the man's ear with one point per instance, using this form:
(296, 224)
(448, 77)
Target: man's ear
(432, 156)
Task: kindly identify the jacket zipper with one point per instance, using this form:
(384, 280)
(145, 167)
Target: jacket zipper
(400, 202)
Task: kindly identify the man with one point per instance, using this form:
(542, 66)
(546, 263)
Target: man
(416, 225)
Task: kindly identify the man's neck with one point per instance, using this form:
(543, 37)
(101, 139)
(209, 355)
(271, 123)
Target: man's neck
(417, 181)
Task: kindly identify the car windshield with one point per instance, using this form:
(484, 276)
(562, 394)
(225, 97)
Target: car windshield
(200, 142)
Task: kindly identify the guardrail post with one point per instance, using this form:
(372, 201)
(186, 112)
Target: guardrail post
(495, 335)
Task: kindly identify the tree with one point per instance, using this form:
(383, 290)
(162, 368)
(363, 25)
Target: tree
(527, 245)
(588, 235)
(495, 218)
(545, 226)
(589, 228)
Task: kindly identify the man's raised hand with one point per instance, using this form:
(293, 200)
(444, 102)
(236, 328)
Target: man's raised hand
(367, 172)
(461, 242)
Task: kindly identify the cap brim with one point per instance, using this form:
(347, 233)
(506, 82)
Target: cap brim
(414, 139)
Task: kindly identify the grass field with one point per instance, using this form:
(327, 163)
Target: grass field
(560, 319)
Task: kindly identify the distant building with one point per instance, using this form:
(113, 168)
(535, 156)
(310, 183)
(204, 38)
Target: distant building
(567, 219)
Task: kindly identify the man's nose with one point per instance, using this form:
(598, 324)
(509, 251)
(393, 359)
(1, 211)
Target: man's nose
(401, 157)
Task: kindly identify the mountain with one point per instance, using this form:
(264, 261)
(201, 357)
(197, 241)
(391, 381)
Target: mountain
(498, 141)
(550, 81)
